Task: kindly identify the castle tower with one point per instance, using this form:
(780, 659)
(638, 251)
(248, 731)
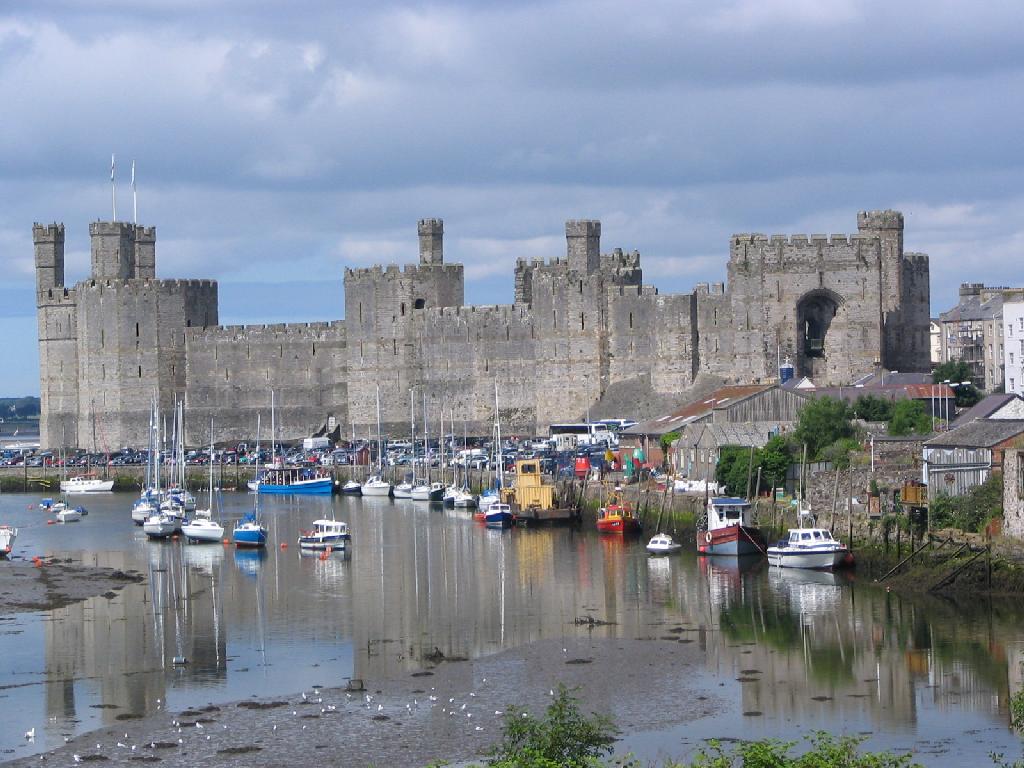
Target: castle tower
(58, 330)
(145, 253)
(887, 226)
(431, 232)
(48, 240)
(113, 250)
(583, 245)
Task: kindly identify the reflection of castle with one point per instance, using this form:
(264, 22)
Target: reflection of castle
(127, 644)
(837, 305)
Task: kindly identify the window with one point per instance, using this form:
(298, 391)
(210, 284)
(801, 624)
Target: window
(418, 304)
(1011, 358)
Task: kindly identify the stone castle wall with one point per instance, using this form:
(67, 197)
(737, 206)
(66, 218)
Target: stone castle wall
(581, 325)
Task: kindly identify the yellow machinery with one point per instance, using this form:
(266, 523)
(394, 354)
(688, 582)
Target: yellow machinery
(529, 491)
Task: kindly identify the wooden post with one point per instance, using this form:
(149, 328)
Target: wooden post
(757, 489)
(750, 471)
(835, 498)
(849, 506)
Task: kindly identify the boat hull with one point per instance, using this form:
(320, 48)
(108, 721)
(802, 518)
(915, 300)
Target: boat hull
(498, 520)
(321, 487)
(203, 533)
(619, 525)
(7, 538)
(86, 486)
(823, 560)
(320, 543)
(731, 541)
(158, 529)
(249, 537)
(352, 489)
(376, 490)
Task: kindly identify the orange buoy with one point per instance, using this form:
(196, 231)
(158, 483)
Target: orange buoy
(51, 522)
(284, 545)
(226, 542)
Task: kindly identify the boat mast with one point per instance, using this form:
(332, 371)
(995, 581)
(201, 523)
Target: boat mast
(426, 427)
(499, 454)
(273, 433)
(380, 455)
(256, 501)
(211, 465)
(412, 430)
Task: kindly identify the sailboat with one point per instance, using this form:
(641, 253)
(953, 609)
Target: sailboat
(404, 489)
(202, 527)
(8, 534)
(496, 513)
(160, 524)
(249, 532)
(377, 485)
(426, 490)
(148, 502)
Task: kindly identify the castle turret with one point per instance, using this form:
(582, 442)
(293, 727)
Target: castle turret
(431, 232)
(145, 253)
(583, 244)
(113, 250)
(49, 256)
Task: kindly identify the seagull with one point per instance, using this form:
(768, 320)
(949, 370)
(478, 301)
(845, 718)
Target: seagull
(380, 707)
(78, 759)
(31, 734)
(473, 695)
(450, 700)
(199, 725)
(551, 692)
(462, 708)
(478, 728)
(122, 746)
(303, 695)
(433, 698)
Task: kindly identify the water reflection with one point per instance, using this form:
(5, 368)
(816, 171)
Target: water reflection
(808, 649)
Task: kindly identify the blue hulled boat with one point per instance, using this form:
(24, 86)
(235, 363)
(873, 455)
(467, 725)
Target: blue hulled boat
(498, 516)
(249, 532)
(292, 480)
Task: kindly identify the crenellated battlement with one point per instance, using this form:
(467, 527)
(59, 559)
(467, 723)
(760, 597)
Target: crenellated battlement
(293, 330)
(394, 271)
(887, 219)
(164, 286)
(47, 233)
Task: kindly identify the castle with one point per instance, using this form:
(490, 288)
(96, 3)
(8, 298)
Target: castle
(580, 327)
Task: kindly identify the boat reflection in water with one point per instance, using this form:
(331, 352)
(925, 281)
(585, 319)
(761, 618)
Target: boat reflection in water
(250, 560)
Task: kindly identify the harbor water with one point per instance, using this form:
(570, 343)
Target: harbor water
(788, 652)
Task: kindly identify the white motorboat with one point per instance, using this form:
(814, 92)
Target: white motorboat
(403, 491)
(160, 526)
(450, 492)
(663, 544)
(809, 547)
(7, 536)
(376, 486)
(464, 500)
(352, 488)
(431, 492)
(182, 498)
(326, 534)
(487, 499)
(86, 485)
(69, 514)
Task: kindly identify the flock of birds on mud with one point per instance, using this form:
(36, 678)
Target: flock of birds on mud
(450, 708)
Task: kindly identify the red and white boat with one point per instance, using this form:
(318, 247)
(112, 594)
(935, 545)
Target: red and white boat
(617, 516)
(730, 529)
(8, 534)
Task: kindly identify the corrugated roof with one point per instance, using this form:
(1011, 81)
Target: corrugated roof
(889, 391)
(723, 396)
(980, 433)
(744, 434)
(985, 408)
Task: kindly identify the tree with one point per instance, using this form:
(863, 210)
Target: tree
(731, 471)
(955, 372)
(775, 460)
(910, 417)
(823, 421)
(873, 408)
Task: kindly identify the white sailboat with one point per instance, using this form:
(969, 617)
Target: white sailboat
(202, 527)
(426, 490)
(148, 502)
(377, 485)
(403, 490)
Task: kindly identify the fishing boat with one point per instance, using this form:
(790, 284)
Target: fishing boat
(202, 527)
(376, 485)
(352, 488)
(663, 544)
(325, 534)
(463, 499)
(809, 547)
(618, 516)
(292, 480)
(8, 534)
(498, 515)
(86, 484)
(249, 532)
(730, 530)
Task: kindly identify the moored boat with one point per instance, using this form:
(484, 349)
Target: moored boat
(432, 492)
(809, 547)
(203, 528)
(86, 484)
(663, 544)
(730, 530)
(403, 491)
(292, 480)
(160, 526)
(617, 516)
(249, 532)
(8, 534)
(376, 486)
(498, 515)
(352, 488)
(325, 534)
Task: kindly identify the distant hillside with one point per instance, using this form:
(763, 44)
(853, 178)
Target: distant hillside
(19, 408)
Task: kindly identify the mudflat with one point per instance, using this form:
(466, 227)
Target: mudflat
(53, 583)
(445, 709)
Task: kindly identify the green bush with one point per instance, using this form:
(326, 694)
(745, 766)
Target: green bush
(564, 738)
(910, 417)
(823, 422)
(873, 408)
(972, 511)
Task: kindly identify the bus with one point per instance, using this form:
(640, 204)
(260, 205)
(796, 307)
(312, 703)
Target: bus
(594, 433)
(617, 425)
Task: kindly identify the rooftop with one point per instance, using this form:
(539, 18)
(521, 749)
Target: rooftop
(720, 398)
(980, 433)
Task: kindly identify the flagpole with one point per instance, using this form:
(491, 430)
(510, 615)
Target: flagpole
(113, 188)
(135, 199)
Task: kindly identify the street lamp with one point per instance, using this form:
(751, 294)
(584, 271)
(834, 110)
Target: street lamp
(953, 385)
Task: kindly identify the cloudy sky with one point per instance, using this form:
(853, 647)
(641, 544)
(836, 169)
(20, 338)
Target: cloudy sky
(279, 142)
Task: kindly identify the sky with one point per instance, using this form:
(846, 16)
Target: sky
(277, 143)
